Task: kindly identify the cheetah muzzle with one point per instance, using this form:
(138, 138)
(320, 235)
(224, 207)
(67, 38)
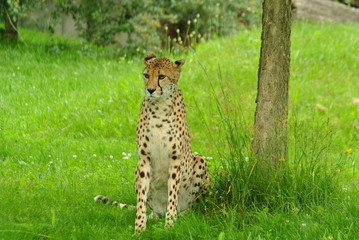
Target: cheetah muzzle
(169, 177)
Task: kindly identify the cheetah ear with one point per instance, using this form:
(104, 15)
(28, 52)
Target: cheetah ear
(180, 63)
(148, 57)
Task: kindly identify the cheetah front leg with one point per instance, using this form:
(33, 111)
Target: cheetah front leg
(142, 187)
(173, 189)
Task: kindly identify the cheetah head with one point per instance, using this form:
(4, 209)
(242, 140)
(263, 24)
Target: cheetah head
(160, 75)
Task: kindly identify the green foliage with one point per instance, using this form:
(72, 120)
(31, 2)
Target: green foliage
(101, 21)
(148, 24)
(347, 2)
(10, 12)
(16, 8)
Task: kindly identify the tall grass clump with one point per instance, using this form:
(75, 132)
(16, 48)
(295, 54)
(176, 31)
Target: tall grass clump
(306, 180)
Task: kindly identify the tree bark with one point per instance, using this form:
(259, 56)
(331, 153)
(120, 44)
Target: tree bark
(10, 28)
(9, 22)
(271, 116)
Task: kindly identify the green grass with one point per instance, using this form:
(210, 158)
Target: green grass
(68, 112)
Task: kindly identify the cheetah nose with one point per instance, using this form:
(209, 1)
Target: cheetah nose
(151, 90)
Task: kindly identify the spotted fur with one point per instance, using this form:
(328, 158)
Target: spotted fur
(169, 177)
(107, 201)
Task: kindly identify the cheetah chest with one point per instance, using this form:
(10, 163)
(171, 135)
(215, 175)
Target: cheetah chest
(160, 150)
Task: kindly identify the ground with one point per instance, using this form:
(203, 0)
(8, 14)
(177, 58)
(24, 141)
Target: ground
(325, 11)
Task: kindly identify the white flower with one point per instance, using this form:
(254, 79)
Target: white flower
(126, 155)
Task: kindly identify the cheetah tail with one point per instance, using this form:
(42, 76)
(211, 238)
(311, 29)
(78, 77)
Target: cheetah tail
(105, 200)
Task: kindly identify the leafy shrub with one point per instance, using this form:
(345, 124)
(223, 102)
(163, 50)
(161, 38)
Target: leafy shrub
(15, 8)
(100, 21)
(148, 24)
(10, 11)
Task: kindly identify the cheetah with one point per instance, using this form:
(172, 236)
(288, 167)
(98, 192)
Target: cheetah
(169, 177)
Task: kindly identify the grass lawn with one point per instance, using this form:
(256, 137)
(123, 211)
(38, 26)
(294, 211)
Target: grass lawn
(68, 115)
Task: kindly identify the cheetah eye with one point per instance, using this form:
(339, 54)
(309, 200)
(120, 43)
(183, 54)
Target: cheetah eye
(161, 76)
(146, 75)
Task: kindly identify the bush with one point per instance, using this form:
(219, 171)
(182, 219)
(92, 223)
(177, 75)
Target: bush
(10, 11)
(100, 21)
(140, 25)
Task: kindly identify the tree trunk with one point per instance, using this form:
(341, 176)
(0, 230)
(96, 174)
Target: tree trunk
(10, 28)
(271, 116)
(10, 23)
